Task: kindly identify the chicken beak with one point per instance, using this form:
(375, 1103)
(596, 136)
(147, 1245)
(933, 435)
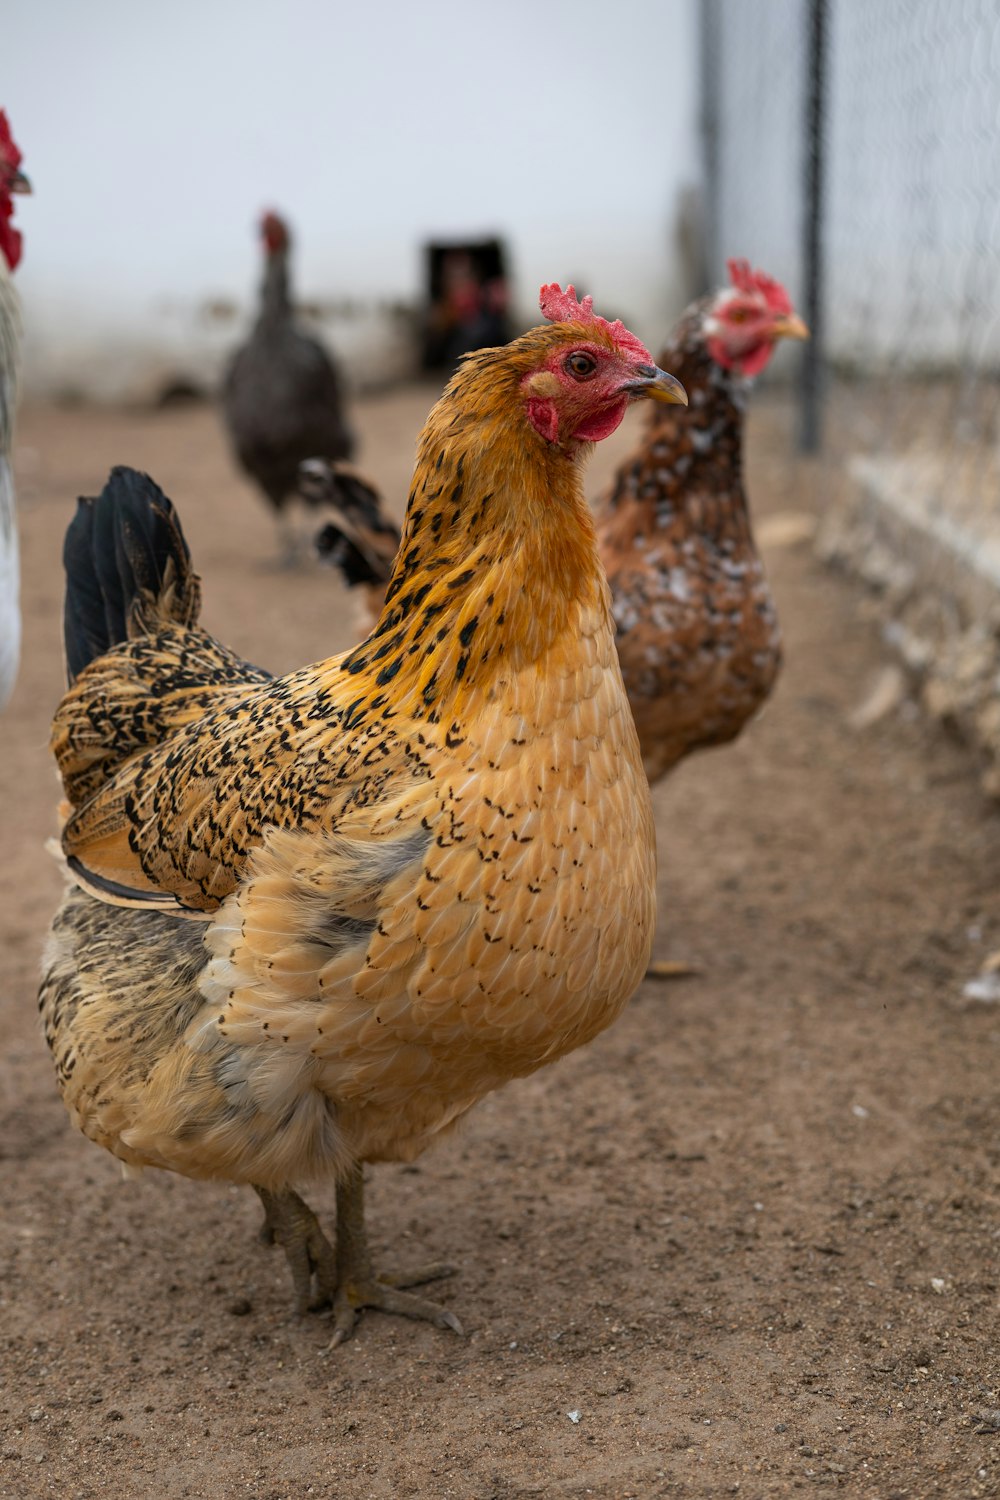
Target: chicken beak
(789, 327)
(658, 385)
(18, 183)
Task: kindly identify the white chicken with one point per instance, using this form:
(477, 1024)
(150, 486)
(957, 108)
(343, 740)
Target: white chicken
(12, 180)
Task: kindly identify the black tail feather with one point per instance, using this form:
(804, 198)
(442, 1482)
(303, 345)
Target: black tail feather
(124, 555)
(361, 540)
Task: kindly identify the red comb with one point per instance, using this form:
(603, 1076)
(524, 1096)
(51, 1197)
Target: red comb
(746, 280)
(8, 151)
(560, 306)
(11, 242)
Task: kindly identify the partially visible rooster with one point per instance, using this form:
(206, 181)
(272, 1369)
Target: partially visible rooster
(698, 635)
(12, 180)
(314, 919)
(282, 399)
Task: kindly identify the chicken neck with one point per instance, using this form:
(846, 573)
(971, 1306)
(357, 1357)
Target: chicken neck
(498, 559)
(275, 297)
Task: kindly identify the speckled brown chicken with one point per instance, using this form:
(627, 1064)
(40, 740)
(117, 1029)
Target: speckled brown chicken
(698, 635)
(315, 918)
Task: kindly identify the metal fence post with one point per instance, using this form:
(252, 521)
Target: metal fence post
(710, 104)
(810, 429)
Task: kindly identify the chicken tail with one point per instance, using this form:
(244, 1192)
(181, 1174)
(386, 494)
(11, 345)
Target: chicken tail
(128, 569)
(360, 539)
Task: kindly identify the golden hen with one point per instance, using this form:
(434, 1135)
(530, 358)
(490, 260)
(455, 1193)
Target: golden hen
(313, 919)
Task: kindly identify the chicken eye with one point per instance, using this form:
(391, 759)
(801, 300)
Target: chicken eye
(738, 315)
(581, 366)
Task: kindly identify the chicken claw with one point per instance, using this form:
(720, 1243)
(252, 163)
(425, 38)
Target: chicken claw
(357, 1284)
(291, 1223)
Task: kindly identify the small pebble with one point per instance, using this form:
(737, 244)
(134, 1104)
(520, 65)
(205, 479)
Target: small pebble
(574, 1415)
(240, 1306)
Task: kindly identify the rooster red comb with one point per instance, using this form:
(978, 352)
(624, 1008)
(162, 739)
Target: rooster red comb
(11, 180)
(560, 306)
(274, 231)
(746, 280)
(9, 154)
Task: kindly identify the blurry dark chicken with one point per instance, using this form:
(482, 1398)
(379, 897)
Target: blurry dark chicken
(282, 399)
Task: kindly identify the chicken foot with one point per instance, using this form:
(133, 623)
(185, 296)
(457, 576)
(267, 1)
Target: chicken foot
(358, 1286)
(291, 1223)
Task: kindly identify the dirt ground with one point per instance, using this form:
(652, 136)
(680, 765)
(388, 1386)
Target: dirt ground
(745, 1243)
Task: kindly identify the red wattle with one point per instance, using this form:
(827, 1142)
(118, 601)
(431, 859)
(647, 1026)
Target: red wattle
(602, 424)
(10, 238)
(750, 363)
(753, 362)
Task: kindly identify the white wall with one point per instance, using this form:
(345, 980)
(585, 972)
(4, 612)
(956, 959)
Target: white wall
(154, 134)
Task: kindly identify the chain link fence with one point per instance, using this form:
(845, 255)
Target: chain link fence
(910, 130)
(852, 149)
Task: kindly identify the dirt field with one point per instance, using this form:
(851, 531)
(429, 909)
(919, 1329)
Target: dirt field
(746, 1243)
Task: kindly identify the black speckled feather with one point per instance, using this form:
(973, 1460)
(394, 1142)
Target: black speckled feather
(123, 548)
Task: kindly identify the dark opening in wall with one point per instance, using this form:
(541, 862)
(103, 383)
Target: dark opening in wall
(467, 300)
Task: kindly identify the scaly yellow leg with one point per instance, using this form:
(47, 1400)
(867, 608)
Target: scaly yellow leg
(357, 1285)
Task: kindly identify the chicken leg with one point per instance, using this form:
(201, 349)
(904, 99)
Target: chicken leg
(291, 1223)
(358, 1286)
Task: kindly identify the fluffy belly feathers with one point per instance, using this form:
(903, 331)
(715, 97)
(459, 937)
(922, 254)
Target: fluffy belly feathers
(362, 988)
